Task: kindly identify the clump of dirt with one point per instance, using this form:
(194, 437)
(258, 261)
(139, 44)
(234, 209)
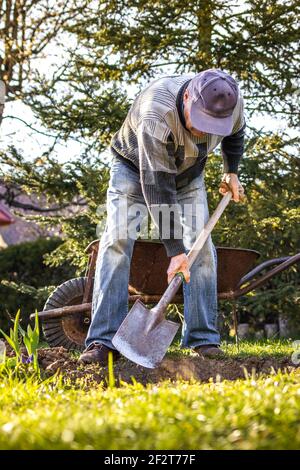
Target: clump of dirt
(172, 368)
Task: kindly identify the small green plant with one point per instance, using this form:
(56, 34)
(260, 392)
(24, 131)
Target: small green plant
(30, 339)
(111, 375)
(13, 338)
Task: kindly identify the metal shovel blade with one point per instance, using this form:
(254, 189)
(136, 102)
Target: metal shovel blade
(134, 342)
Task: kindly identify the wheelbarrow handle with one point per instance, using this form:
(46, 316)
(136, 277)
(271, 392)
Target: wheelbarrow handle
(261, 267)
(289, 261)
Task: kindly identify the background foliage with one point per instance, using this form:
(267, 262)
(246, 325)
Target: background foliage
(25, 281)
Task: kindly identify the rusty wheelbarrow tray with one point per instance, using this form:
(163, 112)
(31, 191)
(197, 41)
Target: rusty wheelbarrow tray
(66, 314)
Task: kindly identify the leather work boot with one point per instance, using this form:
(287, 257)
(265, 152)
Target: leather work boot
(97, 353)
(211, 351)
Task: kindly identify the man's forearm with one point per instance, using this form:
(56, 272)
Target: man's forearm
(232, 148)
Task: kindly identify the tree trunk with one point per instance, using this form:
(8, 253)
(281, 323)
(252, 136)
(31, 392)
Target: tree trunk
(204, 16)
(2, 98)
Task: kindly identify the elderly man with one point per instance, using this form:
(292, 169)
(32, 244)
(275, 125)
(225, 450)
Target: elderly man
(159, 157)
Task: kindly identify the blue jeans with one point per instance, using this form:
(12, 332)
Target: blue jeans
(110, 297)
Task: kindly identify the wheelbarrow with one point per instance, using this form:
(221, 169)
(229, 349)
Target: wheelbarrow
(67, 312)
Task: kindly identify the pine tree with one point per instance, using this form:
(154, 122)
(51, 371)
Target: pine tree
(27, 28)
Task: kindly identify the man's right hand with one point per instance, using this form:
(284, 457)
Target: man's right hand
(179, 264)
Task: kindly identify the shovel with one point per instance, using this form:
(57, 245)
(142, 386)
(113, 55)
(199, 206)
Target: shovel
(145, 335)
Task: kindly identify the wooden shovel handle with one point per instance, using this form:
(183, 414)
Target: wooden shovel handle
(193, 253)
(205, 232)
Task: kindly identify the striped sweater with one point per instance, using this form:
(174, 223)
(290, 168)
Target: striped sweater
(153, 140)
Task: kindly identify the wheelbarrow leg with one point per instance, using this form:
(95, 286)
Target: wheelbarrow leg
(90, 272)
(235, 323)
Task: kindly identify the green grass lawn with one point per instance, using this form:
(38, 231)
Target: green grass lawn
(256, 413)
(260, 348)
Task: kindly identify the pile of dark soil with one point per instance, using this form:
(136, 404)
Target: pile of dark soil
(172, 368)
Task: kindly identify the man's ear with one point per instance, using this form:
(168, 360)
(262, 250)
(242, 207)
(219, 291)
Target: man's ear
(186, 95)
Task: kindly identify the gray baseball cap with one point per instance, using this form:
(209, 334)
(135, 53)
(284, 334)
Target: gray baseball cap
(214, 95)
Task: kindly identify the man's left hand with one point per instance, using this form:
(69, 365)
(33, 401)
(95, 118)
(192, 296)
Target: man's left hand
(230, 182)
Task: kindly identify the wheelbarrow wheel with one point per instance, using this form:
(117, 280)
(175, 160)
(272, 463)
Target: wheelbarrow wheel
(69, 331)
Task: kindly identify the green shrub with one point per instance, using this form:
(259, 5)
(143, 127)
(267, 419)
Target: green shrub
(25, 279)
(268, 221)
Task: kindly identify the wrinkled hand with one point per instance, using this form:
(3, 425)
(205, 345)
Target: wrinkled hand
(230, 181)
(179, 263)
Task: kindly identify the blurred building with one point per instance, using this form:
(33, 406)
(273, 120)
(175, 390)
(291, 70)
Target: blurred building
(6, 219)
(14, 228)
